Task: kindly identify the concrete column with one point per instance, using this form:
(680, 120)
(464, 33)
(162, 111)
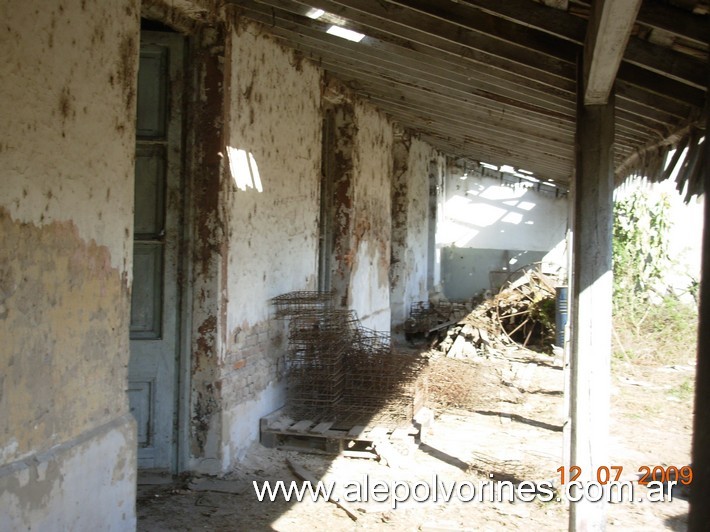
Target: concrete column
(590, 348)
(699, 517)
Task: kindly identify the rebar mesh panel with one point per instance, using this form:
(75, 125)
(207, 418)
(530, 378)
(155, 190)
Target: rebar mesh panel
(323, 326)
(339, 370)
(301, 303)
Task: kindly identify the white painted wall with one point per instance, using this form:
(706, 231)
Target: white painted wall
(493, 223)
(411, 247)
(482, 212)
(371, 218)
(272, 205)
(274, 118)
(67, 102)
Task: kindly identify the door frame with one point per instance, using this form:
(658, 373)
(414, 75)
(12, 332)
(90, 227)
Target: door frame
(200, 251)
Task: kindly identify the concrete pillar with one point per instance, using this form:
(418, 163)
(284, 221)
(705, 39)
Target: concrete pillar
(699, 517)
(590, 348)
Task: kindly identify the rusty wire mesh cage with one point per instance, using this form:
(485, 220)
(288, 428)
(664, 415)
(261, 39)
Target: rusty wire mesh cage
(315, 325)
(338, 369)
(301, 303)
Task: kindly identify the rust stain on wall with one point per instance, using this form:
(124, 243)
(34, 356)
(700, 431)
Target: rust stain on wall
(205, 140)
(64, 315)
(205, 342)
(126, 68)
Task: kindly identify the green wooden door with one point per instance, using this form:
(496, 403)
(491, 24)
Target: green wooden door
(155, 303)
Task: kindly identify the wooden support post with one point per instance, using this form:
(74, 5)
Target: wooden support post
(699, 516)
(590, 349)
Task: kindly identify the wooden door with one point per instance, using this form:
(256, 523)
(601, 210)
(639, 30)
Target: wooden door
(155, 303)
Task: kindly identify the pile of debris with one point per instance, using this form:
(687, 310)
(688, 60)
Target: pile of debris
(521, 315)
(427, 317)
(339, 370)
(477, 334)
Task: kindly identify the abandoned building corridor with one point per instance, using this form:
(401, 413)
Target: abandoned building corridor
(173, 170)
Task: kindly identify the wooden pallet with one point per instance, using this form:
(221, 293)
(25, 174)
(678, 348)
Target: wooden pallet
(360, 441)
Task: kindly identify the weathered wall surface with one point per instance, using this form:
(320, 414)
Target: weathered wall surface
(272, 206)
(410, 225)
(67, 100)
(205, 290)
(369, 292)
(87, 483)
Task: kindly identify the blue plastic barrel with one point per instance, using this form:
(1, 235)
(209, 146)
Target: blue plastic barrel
(560, 315)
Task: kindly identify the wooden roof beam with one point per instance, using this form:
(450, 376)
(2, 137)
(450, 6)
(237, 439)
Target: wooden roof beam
(572, 29)
(676, 21)
(608, 33)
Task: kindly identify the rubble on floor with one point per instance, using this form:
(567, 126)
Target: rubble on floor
(522, 314)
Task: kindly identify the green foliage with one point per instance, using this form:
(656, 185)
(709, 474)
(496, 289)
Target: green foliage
(640, 247)
(650, 325)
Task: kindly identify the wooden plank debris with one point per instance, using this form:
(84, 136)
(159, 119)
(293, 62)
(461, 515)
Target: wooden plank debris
(321, 428)
(301, 426)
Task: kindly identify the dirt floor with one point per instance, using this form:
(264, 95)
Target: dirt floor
(502, 416)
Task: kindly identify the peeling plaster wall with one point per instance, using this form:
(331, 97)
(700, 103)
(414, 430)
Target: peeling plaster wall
(272, 206)
(67, 100)
(410, 225)
(369, 292)
(205, 291)
(75, 485)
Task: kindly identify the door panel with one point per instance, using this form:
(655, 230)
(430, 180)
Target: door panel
(149, 214)
(147, 299)
(152, 88)
(155, 301)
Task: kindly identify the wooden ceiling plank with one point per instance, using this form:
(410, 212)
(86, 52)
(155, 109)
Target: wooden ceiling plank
(640, 52)
(287, 13)
(649, 99)
(423, 27)
(408, 28)
(396, 90)
(679, 67)
(676, 21)
(537, 16)
(494, 137)
(645, 125)
(498, 157)
(662, 118)
(456, 94)
(461, 123)
(608, 33)
(470, 17)
(367, 84)
(386, 63)
(663, 86)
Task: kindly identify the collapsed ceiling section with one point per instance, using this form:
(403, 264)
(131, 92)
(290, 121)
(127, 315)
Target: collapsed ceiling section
(495, 81)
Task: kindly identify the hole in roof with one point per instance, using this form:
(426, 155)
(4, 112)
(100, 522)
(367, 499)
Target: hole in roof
(345, 33)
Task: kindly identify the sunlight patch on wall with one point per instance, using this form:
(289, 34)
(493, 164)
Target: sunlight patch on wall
(243, 169)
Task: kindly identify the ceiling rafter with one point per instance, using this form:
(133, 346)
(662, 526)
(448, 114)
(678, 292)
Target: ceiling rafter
(404, 27)
(490, 80)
